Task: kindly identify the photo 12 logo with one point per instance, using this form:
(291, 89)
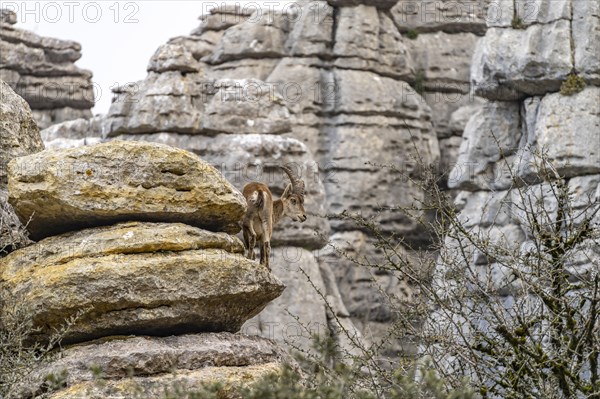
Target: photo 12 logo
(73, 11)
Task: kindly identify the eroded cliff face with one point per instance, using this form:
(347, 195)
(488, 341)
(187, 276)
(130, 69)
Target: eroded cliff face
(327, 87)
(530, 66)
(527, 111)
(125, 272)
(42, 71)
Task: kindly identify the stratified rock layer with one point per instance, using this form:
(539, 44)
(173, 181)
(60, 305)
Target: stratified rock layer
(137, 278)
(97, 185)
(42, 71)
(128, 364)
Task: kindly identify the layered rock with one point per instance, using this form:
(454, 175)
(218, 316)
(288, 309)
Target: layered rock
(138, 278)
(339, 76)
(536, 130)
(63, 190)
(42, 71)
(158, 279)
(157, 365)
(19, 135)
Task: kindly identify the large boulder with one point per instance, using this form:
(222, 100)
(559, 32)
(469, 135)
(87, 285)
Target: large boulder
(63, 190)
(154, 365)
(137, 278)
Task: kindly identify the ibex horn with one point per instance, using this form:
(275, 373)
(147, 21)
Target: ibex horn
(297, 184)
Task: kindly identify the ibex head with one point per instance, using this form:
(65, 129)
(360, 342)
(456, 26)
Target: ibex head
(293, 197)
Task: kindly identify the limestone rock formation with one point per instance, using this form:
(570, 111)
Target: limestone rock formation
(19, 135)
(42, 71)
(528, 114)
(159, 364)
(138, 278)
(94, 185)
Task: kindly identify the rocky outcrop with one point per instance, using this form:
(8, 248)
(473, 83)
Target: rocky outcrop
(534, 110)
(19, 135)
(42, 71)
(157, 279)
(339, 76)
(159, 365)
(138, 278)
(97, 185)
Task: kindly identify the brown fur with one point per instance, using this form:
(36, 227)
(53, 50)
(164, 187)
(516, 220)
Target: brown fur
(263, 213)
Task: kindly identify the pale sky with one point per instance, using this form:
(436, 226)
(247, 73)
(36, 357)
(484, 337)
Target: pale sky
(117, 38)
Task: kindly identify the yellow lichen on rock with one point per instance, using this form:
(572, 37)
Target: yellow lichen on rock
(69, 189)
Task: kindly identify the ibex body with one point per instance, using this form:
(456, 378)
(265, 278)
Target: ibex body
(264, 212)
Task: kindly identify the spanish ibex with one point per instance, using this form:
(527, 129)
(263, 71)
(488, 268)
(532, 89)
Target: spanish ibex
(263, 213)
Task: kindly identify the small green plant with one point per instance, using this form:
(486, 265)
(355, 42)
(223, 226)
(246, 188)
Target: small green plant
(419, 82)
(573, 84)
(517, 23)
(412, 34)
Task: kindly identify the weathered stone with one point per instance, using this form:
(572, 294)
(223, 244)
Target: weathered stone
(360, 92)
(567, 129)
(201, 46)
(119, 358)
(443, 60)
(58, 92)
(369, 294)
(299, 313)
(359, 163)
(49, 117)
(302, 83)
(151, 362)
(540, 66)
(194, 381)
(166, 102)
(447, 16)
(173, 57)
(13, 234)
(142, 278)
(449, 150)
(519, 14)
(19, 134)
(102, 184)
(586, 39)
(248, 68)
(246, 158)
(492, 134)
(74, 129)
(484, 208)
(41, 70)
(246, 106)
(312, 31)
(366, 39)
(261, 36)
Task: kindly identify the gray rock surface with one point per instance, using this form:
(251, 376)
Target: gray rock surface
(43, 72)
(539, 68)
(299, 313)
(442, 16)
